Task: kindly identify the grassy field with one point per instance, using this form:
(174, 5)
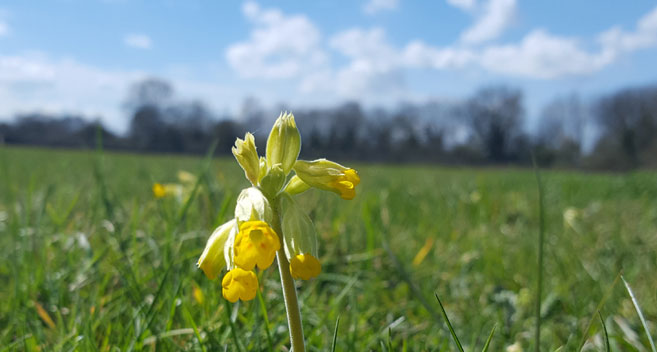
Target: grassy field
(92, 261)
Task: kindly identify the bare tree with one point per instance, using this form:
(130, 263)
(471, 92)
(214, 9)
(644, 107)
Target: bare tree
(495, 115)
(561, 130)
(628, 120)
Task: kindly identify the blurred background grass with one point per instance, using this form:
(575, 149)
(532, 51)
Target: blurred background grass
(92, 261)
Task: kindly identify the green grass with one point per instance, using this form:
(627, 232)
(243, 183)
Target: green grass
(92, 262)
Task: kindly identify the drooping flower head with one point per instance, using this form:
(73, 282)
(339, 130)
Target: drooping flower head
(329, 176)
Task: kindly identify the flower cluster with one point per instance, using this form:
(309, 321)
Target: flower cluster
(267, 218)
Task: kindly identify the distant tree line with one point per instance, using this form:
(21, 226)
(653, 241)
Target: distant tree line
(488, 128)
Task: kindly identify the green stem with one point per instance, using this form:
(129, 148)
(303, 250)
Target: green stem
(289, 290)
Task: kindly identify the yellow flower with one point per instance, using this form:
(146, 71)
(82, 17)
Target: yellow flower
(186, 178)
(346, 184)
(239, 284)
(247, 156)
(158, 190)
(305, 266)
(255, 244)
(168, 189)
(213, 259)
(329, 176)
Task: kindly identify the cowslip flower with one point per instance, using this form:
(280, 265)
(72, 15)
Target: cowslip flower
(239, 284)
(329, 176)
(255, 244)
(268, 221)
(180, 190)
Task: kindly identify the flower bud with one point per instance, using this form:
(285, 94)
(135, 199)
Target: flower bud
(284, 143)
(296, 186)
(247, 156)
(263, 168)
(252, 205)
(212, 260)
(273, 181)
(329, 176)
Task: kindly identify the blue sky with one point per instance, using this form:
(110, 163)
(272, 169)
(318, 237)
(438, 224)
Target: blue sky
(74, 56)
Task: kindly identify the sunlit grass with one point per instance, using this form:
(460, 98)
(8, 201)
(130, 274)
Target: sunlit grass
(93, 261)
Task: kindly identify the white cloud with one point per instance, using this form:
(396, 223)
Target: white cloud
(545, 56)
(4, 29)
(617, 41)
(494, 19)
(542, 55)
(280, 46)
(365, 47)
(36, 82)
(375, 68)
(420, 55)
(374, 6)
(465, 5)
(138, 41)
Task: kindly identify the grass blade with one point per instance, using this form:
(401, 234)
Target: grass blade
(265, 317)
(638, 310)
(597, 310)
(335, 334)
(604, 329)
(541, 243)
(233, 329)
(490, 337)
(449, 325)
(197, 334)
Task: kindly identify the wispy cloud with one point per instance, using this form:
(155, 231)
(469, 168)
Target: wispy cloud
(138, 41)
(375, 6)
(465, 5)
(494, 18)
(279, 46)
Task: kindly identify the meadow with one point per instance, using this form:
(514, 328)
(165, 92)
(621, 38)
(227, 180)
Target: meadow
(92, 261)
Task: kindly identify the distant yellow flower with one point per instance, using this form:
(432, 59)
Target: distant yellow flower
(186, 178)
(329, 176)
(305, 266)
(255, 244)
(239, 284)
(159, 191)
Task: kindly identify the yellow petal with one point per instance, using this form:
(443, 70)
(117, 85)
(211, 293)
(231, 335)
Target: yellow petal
(305, 266)
(239, 284)
(255, 244)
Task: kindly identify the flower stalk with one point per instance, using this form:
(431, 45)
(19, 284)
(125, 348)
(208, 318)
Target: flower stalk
(289, 290)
